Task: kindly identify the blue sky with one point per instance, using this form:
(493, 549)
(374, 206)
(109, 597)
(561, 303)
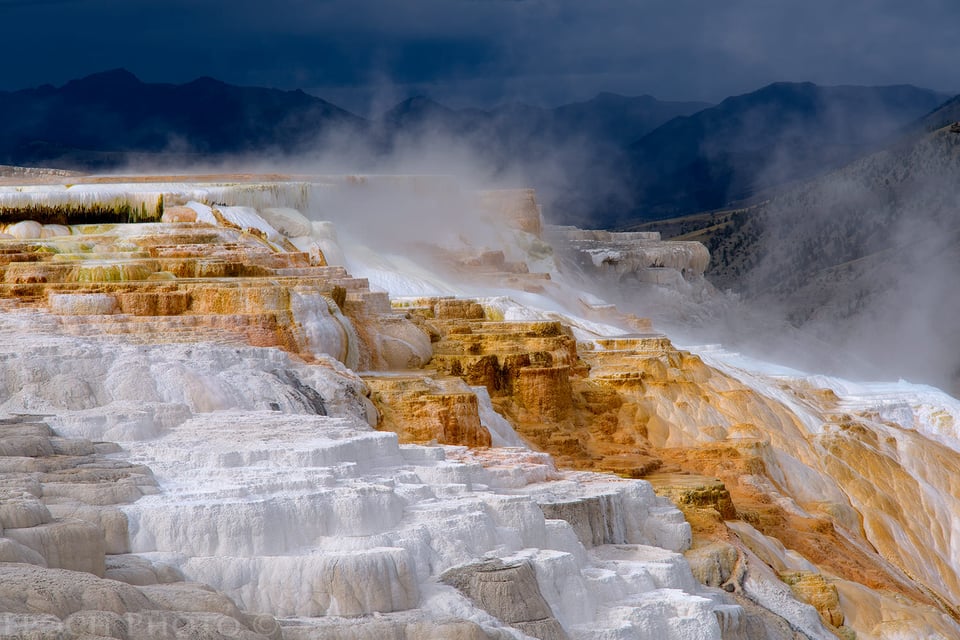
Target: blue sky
(368, 54)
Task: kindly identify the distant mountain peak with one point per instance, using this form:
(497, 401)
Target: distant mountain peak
(609, 96)
(417, 106)
(118, 73)
(111, 77)
(206, 81)
(787, 84)
(753, 141)
(777, 91)
(422, 102)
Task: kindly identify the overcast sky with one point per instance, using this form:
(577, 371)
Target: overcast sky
(368, 54)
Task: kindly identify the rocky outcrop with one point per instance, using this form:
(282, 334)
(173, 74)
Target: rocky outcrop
(814, 589)
(62, 534)
(59, 498)
(510, 592)
(638, 253)
(678, 414)
(593, 518)
(55, 603)
(632, 259)
(289, 503)
(535, 376)
(422, 409)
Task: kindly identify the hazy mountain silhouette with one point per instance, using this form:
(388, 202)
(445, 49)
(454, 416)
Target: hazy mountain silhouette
(97, 119)
(863, 258)
(606, 118)
(574, 153)
(605, 161)
(106, 120)
(780, 133)
(947, 113)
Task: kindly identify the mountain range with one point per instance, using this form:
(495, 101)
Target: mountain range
(111, 119)
(607, 161)
(783, 132)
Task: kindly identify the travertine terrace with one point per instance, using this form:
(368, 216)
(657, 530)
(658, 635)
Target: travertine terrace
(238, 408)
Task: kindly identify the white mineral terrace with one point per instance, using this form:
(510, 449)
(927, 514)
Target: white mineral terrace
(147, 196)
(306, 516)
(273, 487)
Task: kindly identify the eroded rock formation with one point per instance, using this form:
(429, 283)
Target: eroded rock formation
(64, 542)
(239, 366)
(788, 466)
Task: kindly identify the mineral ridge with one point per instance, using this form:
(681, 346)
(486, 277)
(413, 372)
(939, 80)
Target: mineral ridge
(312, 407)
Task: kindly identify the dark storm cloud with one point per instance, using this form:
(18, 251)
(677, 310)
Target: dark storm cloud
(487, 50)
(26, 3)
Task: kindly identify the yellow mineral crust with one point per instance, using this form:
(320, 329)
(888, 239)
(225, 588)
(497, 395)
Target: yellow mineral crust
(814, 589)
(834, 492)
(188, 281)
(422, 409)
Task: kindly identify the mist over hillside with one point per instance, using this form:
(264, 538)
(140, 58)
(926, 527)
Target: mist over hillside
(599, 163)
(863, 261)
(113, 120)
(852, 260)
(781, 133)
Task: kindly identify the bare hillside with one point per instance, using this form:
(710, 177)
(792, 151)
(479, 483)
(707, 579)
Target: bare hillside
(859, 259)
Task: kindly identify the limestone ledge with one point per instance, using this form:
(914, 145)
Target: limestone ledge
(190, 281)
(639, 254)
(63, 546)
(428, 410)
(277, 493)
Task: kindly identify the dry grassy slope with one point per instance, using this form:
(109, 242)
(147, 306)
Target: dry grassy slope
(864, 258)
(881, 206)
(945, 114)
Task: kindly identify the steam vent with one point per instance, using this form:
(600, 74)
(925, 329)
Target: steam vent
(357, 407)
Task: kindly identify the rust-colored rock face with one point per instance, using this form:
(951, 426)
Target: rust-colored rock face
(423, 410)
(814, 589)
(536, 378)
(637, 406)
